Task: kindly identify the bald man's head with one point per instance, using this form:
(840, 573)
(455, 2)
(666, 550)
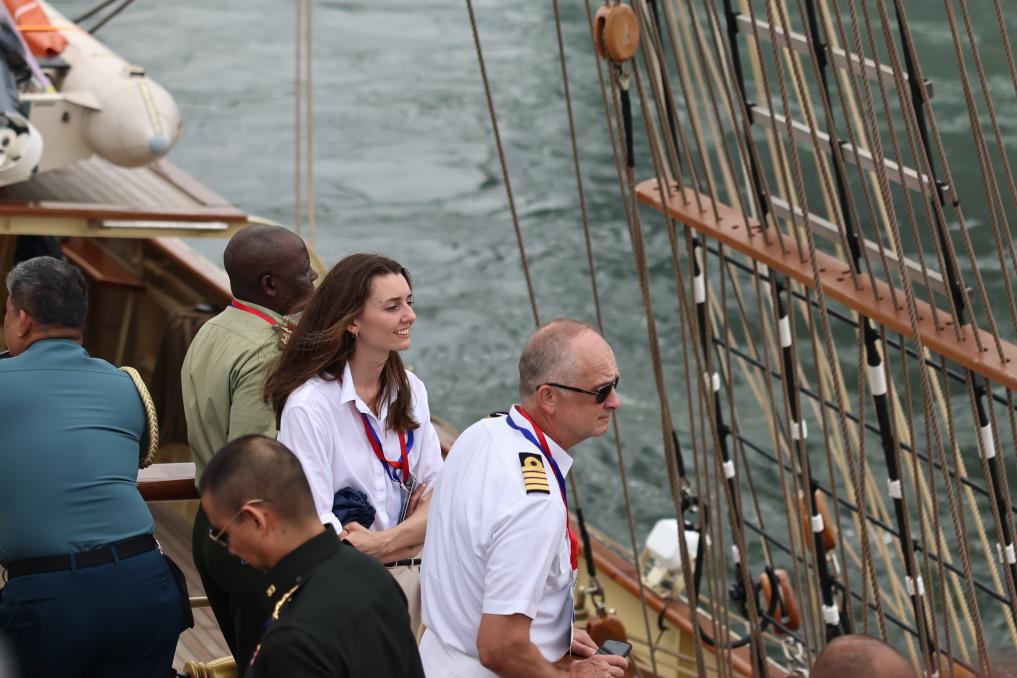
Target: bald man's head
(861, 656)
(269, 266)
(550, 355)
(567, 380)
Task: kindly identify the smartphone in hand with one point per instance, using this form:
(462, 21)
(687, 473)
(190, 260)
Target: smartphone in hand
(615, 647)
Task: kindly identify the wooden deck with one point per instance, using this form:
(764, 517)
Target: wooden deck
(204, 642)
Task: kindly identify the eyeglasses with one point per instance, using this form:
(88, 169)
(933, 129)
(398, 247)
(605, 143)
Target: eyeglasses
(600, 394)
(219, 536)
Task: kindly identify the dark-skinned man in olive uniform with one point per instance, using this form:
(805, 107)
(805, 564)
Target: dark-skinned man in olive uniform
(333, 611)
(221, 380)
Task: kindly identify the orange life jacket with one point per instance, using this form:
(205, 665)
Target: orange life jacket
(42, 37)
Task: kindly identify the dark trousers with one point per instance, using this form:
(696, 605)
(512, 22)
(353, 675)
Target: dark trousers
(118, 619)
(233, 590)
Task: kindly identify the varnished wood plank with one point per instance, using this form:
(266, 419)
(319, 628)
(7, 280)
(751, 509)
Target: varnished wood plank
(98, 265)
(100, 212)
(188, 184)
(167, 482)
(872, 299)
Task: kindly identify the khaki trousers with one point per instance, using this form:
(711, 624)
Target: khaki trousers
(408, 578)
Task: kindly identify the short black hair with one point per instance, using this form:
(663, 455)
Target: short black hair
(53, 292)
(258, 467)
(252, 252)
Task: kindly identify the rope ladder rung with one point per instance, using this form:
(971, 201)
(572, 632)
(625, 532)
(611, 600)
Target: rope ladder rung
(829, 231)
(841, 58)
(900, 174)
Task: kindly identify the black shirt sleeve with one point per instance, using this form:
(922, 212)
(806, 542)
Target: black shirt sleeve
(291, 653)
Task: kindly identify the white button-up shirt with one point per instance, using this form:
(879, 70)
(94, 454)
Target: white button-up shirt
(495, 545)
(321, 423)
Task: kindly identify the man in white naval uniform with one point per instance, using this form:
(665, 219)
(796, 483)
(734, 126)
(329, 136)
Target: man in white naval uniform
(499, 561)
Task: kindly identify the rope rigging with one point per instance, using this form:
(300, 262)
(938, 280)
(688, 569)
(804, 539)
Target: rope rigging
(870, 336)
(594, 588)
(816, 131)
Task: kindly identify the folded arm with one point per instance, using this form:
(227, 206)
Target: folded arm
(396, 543)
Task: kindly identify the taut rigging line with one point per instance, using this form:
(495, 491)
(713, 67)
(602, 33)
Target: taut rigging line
(978, 387)
(591, 567)
(709, 327)
(836, 624)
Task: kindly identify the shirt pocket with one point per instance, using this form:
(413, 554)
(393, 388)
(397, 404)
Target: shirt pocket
(560, 576)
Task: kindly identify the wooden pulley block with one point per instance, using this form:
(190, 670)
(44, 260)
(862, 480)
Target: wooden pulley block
(606, 626)
(599, 21)
(616, 33)
(829, 530)
(787, 609)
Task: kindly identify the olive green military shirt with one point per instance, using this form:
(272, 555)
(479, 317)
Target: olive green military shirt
(222, 379)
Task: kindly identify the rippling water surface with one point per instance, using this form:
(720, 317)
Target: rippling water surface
(405, 165)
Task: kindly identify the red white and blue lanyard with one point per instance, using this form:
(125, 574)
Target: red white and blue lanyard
(540, 442)
(392, 468)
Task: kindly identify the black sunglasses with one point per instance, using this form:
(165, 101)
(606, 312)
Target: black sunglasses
(220, 536)
(600, 394)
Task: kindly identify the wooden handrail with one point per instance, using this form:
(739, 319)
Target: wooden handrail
(677, 613)
(167, 482)
(110, 212)
(175, 482)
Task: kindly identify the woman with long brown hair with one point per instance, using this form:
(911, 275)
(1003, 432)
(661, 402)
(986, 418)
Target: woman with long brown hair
(356, 418)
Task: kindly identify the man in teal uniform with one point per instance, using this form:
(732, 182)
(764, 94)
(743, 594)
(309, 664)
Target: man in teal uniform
(88, 592)
(334, 612)
(222, 378)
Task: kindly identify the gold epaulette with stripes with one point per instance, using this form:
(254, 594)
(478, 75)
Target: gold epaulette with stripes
(534, 474)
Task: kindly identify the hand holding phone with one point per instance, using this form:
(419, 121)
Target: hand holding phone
(602, 664)
(616, 648)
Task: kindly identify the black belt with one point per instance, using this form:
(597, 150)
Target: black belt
(404, 563)
(105, 554)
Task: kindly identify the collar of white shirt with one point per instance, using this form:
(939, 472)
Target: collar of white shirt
(561, 457)
(349, 394)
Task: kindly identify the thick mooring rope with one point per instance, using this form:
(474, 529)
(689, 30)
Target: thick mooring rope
(151, 438)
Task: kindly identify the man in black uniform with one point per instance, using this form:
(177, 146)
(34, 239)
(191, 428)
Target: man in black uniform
(333, 611)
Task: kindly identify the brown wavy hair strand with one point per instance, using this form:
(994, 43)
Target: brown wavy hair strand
(321, 345)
